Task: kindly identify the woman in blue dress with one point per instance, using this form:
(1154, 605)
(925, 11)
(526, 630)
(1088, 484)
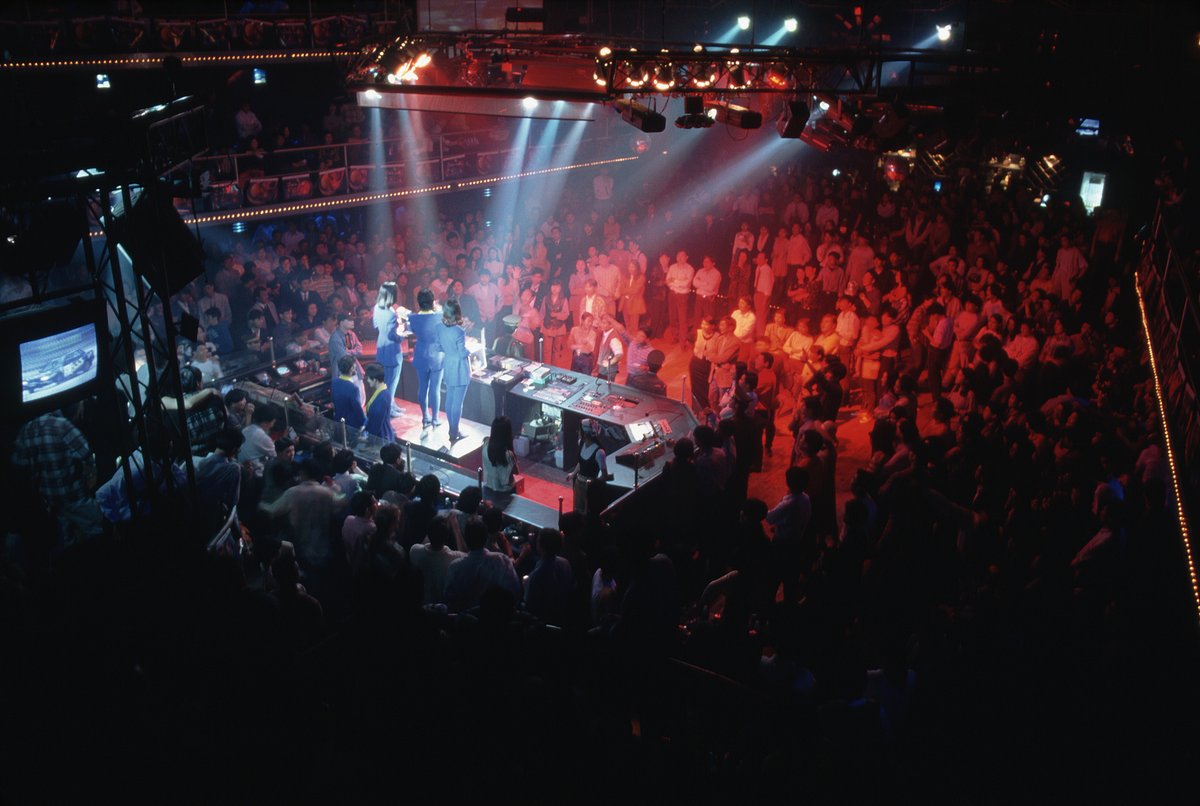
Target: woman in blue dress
(427, 357)
(387, 345)
(456, 363)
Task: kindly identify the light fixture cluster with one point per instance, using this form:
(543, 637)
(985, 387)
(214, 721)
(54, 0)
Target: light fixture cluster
(1189, 550)
(703, 69)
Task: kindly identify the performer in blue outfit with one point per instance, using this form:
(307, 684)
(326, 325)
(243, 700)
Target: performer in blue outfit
(348, 394)
(427, 358)
(388, 346)
(456, 363)
(379, 409)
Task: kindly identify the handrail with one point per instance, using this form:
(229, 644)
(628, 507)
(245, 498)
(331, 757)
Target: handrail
(1182, 492)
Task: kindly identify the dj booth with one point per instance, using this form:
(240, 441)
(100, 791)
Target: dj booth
(547, 406)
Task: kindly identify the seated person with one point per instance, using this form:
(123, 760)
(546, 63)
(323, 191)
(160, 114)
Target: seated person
(649, 381)
(506, 343)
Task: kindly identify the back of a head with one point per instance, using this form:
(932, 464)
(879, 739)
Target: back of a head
(346, 364)
(685, 450)
(470, 499)
(376, 373)
(425, 299)
(360, 503)
(342, 461)
(429, 488)
(311, 470)
(265, 413)
(796, 479)
(389, 453)
(493, 520)
(439, 534)
(229, 441)
(549, 542)
(655, 360)
(475, 534)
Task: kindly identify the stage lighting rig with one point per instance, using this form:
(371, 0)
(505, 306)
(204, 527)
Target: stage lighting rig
(739, 117)
(693, 116)
(791, 123)
(640, 116)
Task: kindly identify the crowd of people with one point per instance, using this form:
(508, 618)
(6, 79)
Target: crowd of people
(1013, 499)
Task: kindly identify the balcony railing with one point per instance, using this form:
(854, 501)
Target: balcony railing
(234, 181)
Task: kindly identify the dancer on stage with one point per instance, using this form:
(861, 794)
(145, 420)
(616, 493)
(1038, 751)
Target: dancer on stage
(456, 364)
(427, 358)
(388, 351)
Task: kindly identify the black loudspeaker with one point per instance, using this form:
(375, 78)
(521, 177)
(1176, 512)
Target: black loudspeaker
(162, 248)
(791, 123)
(189, 326)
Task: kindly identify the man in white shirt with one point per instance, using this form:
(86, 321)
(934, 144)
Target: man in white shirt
(469, 578)
(308, 509)
(827, 215)
(1023, 348)
(764, 284)
(433, 560)
(1069, 266)
(608, 279)
(796, 212)
(860, 261)
(799, 252)
(679, 283)
(259, 447)
(487, 297)
(848, 328)
(706, 283)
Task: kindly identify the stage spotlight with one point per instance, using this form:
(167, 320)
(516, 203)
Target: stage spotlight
(605, 52)
(640, 116)
(102, 82)
(943, 33)
(777, 77)
(744, 23)
(737, 76)
(824, 105)
(697, 48)
(791, 123)
(529, 103)
(791, 25)
(736, 116)
(664, 77)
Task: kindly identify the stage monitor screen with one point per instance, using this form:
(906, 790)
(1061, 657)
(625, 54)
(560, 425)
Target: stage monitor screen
(58, 363)
(640, 431)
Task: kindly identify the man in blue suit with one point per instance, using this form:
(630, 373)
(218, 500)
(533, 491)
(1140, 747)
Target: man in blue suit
(456, 365)
(348, 394)
(427, 357)
(379, 406)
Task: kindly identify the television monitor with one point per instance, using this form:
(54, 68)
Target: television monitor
(57, 363)
(1088, 127)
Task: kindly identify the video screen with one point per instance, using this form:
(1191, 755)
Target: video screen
(58, 363)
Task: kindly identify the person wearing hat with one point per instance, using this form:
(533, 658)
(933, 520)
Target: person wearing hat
(649, 381)
(506, 343)
(592, 466)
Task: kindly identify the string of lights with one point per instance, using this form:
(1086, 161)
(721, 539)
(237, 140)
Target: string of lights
(185, 58)
(366, 198)
(1185, 534)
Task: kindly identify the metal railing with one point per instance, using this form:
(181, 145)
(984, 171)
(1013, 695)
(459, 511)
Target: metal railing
(233, 180)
